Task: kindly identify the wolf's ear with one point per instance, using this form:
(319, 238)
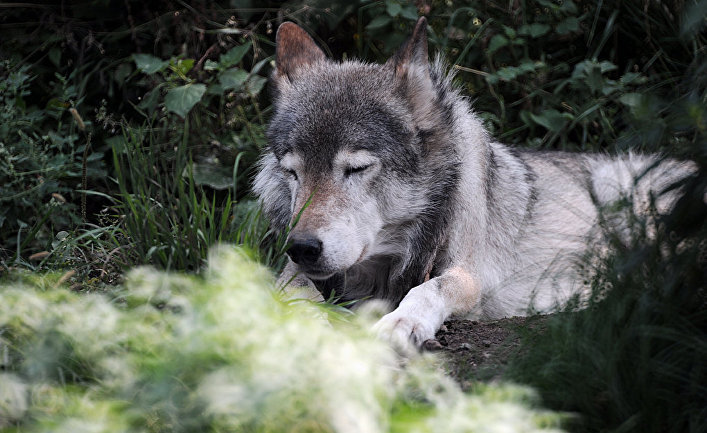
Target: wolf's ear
(294, 50)
(411, 69)
(411, 58)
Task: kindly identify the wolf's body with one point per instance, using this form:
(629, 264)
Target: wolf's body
(406, 197)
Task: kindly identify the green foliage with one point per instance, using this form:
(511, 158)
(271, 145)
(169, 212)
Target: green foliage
(634, 359)
(43, 161)
(218, 96)
(544, 72)
(183, 92)
(224, 352)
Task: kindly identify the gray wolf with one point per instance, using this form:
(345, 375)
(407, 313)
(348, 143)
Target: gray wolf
(399, 193)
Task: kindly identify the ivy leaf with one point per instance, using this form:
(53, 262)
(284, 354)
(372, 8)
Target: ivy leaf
(182, 99)
(149, 64)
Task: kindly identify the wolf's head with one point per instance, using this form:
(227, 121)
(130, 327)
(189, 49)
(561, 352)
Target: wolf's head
(353, 148)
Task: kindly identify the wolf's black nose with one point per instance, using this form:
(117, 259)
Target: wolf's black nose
(305, 250)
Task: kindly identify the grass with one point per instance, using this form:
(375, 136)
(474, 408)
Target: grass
(171, 222)
(634, 359)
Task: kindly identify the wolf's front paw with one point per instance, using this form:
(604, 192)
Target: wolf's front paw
(403, 330)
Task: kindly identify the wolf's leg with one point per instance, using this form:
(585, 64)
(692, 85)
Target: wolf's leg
(296, 286)
(427, 306)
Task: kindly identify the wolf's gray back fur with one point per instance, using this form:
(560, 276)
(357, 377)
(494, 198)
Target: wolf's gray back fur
(462, 224)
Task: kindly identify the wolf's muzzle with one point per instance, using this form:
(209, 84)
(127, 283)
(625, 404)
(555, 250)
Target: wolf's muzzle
(305, 249)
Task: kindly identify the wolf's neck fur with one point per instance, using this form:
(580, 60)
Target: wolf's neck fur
(421, 245)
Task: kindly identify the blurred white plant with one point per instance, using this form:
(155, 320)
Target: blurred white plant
(224, 352)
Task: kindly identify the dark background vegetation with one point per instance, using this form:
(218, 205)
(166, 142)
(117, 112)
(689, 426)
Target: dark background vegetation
(129, 131)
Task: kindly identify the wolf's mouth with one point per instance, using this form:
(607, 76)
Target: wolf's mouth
(317, 275)
(362, 256)
(320, 274)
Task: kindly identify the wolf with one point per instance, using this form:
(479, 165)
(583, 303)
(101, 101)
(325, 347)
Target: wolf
(394, 190)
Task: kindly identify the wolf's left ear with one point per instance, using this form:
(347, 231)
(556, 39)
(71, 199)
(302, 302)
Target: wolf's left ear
(411, 57)
(294, 50)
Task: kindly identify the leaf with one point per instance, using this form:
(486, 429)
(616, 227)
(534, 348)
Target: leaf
(378, 22)
(632, 77)
(393, 8)
(534, 30)
(632, 100)
(185, 65)
(497, 42)
(255, 85)
(551, 119)
(530, 66)
(568, 7)
(211, 173)
(117, 143)
(55, 56)
(150, 100)
(232, 79)
(122, 72)
(693, 18)
(607, 66)
(570, 24)
(182, 99)
(210, 65)
(149, 64)
(594, 80)
(234, 55)
(509, 31)
(409, 12)
(508, 73)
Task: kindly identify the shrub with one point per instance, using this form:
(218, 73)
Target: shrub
(45, 162)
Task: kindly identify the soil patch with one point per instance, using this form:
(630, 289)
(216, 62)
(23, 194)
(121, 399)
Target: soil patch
(475, 351)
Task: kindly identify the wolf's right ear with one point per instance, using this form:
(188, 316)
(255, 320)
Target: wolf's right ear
(411, 58)
(411, 68)
(294, 50)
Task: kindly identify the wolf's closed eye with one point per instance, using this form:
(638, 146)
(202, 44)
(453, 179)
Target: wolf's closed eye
(348, 171)
(291, 173)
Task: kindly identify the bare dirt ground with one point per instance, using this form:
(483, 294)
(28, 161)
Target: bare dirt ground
(480, 351)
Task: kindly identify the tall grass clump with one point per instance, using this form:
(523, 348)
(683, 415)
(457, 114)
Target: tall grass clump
(221, 352)
(167, 219)
(634, 360)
